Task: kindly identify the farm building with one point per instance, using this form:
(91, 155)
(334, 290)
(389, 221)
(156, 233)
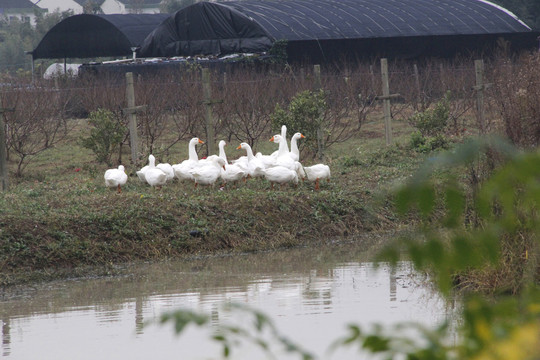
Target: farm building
(314, 30)
(332, 29)
(89, 36)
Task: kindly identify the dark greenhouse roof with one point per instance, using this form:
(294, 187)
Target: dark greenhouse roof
(87, 36)
(314, 29)
(353, 19)
(320, 27)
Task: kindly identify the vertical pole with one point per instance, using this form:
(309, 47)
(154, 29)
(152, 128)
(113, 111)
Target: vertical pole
(479, 71)
(133, 137)
(4, 184)
(372, 77)
(441, 76)
(317, 87)
(417, 82)
(386, 101)
(33, 70)
(207, 92)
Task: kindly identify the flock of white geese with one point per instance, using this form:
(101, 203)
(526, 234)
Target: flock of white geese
(281, 167)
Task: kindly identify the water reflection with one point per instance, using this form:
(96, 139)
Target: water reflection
(310, 293)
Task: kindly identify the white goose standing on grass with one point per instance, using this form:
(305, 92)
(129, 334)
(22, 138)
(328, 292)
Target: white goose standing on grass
(280, 175)
(317, 172)
(167, 169)
(115, 178)
(255, 166)
(283, 157)
(295, 152)
(181, 171)
(209, 172)
(232, 172)
(141, 174)
(152, 175)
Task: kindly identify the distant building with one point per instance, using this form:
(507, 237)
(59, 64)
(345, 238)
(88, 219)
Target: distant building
(23, 10)
(59, 5)
(131, 6)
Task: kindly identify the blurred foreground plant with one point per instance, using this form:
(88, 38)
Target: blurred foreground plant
(501, 325)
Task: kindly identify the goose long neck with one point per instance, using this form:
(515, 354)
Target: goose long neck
(294, 146)
(283, 147)
(151, 161)
(249, 152)
(192, 152)
(222, 152)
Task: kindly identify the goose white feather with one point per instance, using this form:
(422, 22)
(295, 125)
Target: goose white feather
(255, 166)
(231, 172)
(295, 152)
(115, 178)
(167, 169)
(317, 172)
(280, 175)
(209, 172)
(181, 171)
(141, 174)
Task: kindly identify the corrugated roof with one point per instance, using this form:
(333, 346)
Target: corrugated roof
(351, 19)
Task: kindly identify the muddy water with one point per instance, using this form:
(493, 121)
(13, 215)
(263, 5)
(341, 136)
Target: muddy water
(310, 294)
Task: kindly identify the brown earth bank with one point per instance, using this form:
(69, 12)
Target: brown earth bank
(59, 220)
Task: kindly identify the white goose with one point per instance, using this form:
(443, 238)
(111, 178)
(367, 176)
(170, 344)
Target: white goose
(152, 175)
(167, 169)
(283, 147)
(141, 174)
(255, 166)
(208, 173)
(280, 175)
(115, 178)
(295, 153)
(283, 157)
(181, 171)
(317, 172)
(231, 172)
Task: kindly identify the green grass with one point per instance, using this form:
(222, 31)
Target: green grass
(60, 216)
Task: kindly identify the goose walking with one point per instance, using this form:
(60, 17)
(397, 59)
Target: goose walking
(115, 178)
(317, 172)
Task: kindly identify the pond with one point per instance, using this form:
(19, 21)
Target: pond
(310, 294)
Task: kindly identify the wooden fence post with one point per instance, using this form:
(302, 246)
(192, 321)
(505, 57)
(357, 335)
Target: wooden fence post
(131, 111)
(4, 184)
(417, 83)
(479, 88)
(207, 93)
(317, 86)
(386, 101)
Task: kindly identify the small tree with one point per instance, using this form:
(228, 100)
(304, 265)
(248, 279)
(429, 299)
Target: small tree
(306, 114)
(105, 136)
(431, 125)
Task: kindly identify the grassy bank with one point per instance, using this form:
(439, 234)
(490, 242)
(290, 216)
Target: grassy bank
(59, 217)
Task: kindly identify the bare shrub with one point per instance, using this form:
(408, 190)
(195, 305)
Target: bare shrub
(37, 124)
(186, 111)
(155, 123)
(516, 93)
(248, 101)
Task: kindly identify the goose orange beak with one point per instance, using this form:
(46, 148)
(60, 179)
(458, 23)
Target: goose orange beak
(201, 142)
(239, 147)
(302, 136)
(271, 139)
